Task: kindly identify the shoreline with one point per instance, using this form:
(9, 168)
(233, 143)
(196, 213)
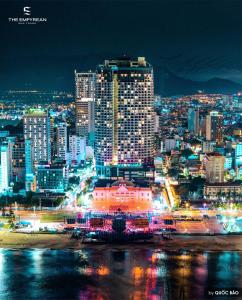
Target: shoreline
(10, 240)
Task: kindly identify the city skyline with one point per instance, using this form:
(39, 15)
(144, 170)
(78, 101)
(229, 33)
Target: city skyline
(181, 54)
(120, 149)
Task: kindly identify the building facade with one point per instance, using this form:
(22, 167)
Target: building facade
(77, 149)
(224, 191)
(124, 113)
(214, 165)
(238, 155)
(61, 141)
(85, 96)
(5, 167)
(122, 196)
(214, 127)
(37, 130)
(52, 178)
(193, 120)
(18, 160)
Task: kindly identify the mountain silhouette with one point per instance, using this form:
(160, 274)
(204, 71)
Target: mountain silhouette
(168, 83)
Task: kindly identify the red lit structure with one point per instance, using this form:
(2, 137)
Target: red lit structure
(122, 196)
(121, 212)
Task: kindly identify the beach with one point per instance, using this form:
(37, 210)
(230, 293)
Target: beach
(178, 242)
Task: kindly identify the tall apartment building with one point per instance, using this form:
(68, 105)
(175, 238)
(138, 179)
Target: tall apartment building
(214, 127)
(61, 140)
(37, 130)
(5, 167)
(18, 160)
(214, 164)
(124, 113)
(85, 96)
(29, 166)
(77, 149)
(238, 159)
(193, 120)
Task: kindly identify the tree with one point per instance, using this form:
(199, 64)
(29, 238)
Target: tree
(173, 172)
(196, 184)
(74, 180)
(186, 153)
(18, 186)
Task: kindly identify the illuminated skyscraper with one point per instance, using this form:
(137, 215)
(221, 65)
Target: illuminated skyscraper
(85, 93)
(18, 160)
(77, 149)
(193, 120)
(214, 127)
(124, 114)
(238, 156)
(37, 130)
(214, 164)
(29, 167)
(5, 167)
(61, 140)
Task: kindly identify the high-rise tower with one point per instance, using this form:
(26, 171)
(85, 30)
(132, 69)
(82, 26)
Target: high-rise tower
(61, 140)
(193, 120)
(214, 127)
(124, 114)
(214, 164)
(85, 92)
(37, 131)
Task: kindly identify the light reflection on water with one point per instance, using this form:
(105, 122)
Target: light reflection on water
(134, 274)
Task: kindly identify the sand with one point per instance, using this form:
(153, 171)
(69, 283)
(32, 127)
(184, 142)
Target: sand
(178, 242)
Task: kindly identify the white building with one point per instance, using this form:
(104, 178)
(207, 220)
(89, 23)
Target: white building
(170, 144)
(61, 141)
(37, 130)
(238, 155)
(5, 167)
(85, 96)
(208, 146)
(214, 164)
(77, 149)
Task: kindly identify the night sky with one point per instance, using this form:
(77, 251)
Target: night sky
(193, 39)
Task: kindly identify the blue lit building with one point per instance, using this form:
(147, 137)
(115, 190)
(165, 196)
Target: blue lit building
(238, 155)
(193, 120)
(52, 177)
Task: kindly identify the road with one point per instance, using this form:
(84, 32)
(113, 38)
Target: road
(71, 202)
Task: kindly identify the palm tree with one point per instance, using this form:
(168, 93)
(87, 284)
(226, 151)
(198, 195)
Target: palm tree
(219, 194)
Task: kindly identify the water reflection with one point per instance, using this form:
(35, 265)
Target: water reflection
(135, 274)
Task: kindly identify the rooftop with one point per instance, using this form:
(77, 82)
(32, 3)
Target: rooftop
(233, 183)
(126, 62)
(36, 112)
(214, 154)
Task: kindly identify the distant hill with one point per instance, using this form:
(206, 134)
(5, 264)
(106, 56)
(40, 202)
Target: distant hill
(168, 84)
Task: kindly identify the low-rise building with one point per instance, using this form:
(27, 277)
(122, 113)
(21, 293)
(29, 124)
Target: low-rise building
(226, 190)
(52, 177)
(214, 164)
(122, 196)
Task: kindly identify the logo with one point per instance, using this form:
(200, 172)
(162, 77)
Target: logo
(26, 19)
(27, 11)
